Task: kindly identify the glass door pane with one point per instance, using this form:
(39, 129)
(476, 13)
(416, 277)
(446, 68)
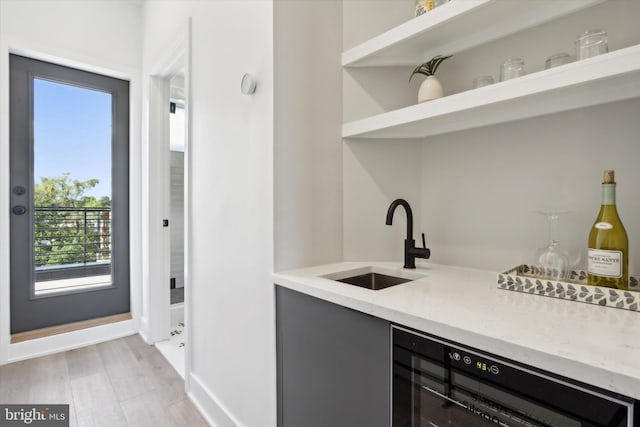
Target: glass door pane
(71, 187)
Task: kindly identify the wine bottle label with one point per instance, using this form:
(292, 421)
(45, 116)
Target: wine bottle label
(605, 263)
(603, 226)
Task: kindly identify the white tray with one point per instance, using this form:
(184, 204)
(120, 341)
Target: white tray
(536, 280)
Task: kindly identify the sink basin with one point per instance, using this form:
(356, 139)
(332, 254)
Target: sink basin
(374, 281)
(373, 277)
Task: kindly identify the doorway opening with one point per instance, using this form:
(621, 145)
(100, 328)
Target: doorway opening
(167, 228)
(174, 348)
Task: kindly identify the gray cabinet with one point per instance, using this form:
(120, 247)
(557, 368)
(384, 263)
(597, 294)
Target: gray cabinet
(334, 364)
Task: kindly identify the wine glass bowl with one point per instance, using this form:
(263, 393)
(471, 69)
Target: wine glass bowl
(552, 260)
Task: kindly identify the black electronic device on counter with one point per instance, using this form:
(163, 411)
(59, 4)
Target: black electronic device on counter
(437, 383)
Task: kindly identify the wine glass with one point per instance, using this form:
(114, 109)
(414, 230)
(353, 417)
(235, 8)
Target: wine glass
(553, 258)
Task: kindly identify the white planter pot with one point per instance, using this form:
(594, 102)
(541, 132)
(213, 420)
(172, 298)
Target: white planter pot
(430, 89)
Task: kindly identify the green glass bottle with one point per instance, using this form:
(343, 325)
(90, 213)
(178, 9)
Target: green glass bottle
(608, 257)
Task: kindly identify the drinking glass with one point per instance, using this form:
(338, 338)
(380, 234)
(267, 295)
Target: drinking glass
(512, 68)
(482, 81)
(557, 60)
(553, 258)
(591, 43)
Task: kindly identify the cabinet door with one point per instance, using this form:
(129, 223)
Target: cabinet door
(334, 364)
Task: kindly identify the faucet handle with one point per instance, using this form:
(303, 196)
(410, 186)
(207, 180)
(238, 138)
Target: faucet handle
(426, 253)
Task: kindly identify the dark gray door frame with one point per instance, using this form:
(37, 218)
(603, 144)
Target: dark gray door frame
(29, 312)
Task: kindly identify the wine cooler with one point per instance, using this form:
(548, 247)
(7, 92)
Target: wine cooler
(437, 383)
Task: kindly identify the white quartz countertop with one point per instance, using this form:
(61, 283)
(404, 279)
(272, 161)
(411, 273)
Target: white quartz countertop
(593, 344)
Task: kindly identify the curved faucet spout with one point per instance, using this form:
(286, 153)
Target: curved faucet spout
(410, 251)
(407, 208)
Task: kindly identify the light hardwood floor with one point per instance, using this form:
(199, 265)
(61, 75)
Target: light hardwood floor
(124, 382)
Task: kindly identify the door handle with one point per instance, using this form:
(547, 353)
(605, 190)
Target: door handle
(19, 210)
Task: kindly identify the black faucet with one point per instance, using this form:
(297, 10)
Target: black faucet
(410, 251)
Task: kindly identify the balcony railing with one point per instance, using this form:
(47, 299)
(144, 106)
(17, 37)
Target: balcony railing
(71, 236)
(72, 249)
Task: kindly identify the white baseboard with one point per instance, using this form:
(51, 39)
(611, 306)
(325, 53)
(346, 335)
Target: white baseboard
(69, 340)
(144, 330)
(214, 413)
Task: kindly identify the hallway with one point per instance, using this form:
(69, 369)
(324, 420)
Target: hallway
(124, 382)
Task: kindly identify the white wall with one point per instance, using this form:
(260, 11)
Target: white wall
(102, 32)
(100, 36)
(486, 185)
(477, 191)
(230, 168)
(376, 173)
(308, 145)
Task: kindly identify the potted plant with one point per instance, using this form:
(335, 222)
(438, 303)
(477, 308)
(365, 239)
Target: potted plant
(430, 88)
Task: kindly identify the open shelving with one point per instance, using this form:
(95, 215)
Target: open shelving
(454, 27)
(607, 78)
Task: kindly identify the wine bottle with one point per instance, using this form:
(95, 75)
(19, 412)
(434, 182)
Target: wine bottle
(608, 256)
(423, 6)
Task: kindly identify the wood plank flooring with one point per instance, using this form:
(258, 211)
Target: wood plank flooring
(124, 382)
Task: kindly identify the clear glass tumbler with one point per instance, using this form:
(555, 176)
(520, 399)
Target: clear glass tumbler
(557, 60)
(482, 81)
(591, 43)
(512, 68)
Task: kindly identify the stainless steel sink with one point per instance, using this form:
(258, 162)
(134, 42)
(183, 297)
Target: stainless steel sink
(374, 277)
(374, 281)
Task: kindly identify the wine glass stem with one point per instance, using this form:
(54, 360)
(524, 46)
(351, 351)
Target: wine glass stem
(552, 225)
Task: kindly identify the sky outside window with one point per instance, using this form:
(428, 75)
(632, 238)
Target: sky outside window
(72, 134)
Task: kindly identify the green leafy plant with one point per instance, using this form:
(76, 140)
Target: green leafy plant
(429, 68)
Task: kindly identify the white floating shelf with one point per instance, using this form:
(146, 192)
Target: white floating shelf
(611, 77)
(454, 27)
